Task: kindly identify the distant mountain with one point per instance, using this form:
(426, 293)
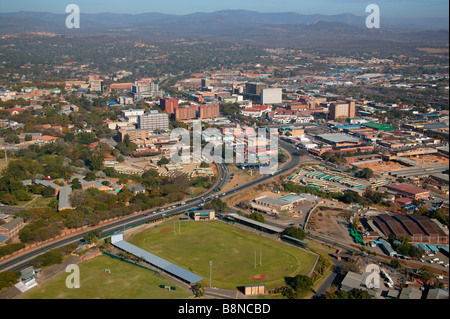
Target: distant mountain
(287, 28)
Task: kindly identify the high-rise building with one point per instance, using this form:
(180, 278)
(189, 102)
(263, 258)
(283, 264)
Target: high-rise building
(271, 96)
(255, 87)
(342, 109)
(168, 105)
(209, 111)
(186, 113)
(132, 115)
(154, 121)
(95, 84)
(145, 89)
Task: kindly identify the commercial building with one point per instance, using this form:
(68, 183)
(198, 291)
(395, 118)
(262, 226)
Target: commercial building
(132, 115)
(145, 89)
(134, 135)
(95, 84)
(412, 192)
(255, 87)
(154, 121)
(125, 100)
(271, 96)
(420, 229)
(342, 110)
(209, 214)
(274, 203)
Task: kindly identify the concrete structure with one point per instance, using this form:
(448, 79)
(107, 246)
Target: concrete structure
(132, 115)
(168, 105)
(208, 214)
(342, 109)
(145, 89)
(209, 111)
(186, 113)
(271, 96)
(154, 121)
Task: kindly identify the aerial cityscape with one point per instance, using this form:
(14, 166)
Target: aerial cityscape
(235, 152)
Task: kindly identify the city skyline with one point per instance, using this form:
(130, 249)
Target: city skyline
(389, 8)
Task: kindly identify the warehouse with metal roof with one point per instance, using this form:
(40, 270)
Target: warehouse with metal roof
(420, 229)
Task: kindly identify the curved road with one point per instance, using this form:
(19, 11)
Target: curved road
(23, 260)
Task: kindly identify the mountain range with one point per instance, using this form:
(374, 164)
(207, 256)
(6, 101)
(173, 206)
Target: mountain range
(288, 28)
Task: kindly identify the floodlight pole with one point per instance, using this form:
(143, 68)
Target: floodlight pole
(210, 269)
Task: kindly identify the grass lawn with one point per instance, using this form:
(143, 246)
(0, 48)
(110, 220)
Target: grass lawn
(231, 249)
(125, 281)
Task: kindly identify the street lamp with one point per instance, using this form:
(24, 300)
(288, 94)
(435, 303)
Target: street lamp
(210, 266)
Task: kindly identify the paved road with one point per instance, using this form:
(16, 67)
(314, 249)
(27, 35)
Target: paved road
(23, 260)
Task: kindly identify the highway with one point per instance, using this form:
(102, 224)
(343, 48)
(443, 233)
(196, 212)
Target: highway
(22, 261)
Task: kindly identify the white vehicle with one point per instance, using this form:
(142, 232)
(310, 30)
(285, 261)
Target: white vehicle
(421, 260)
(430, 255)
(430, 261)
(440, 277)
(435, 259)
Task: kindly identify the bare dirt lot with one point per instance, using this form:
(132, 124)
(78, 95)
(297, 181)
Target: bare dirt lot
(380, 167)
(328, 222)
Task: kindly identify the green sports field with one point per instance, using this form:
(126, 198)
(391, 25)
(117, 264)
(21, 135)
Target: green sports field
(125, 281)
(231, 249)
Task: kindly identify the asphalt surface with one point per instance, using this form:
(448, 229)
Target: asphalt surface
(22, 261)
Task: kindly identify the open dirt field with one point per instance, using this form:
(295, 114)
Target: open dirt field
(430, 160)
(380, 167)
(328, 222)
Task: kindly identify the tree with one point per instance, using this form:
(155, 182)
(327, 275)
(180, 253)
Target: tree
(365, 173)
(198, 290)
(163, 161)
(258, 217)
(295, 232)
(90, 176)
(301, 282)
(48, 192)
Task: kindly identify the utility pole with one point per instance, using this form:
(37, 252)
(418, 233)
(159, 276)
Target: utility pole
(210, 270)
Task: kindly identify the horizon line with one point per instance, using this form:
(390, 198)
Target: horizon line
(215, 11)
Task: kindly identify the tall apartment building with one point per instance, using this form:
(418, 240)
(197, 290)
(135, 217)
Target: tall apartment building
(168, 105)
(154, 121)
(186, 113)
(209, 111)
(342, 109)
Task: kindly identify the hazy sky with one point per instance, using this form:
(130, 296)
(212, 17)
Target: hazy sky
(388, 8)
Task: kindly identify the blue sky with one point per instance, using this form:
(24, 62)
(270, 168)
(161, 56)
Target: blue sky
(388, 8)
